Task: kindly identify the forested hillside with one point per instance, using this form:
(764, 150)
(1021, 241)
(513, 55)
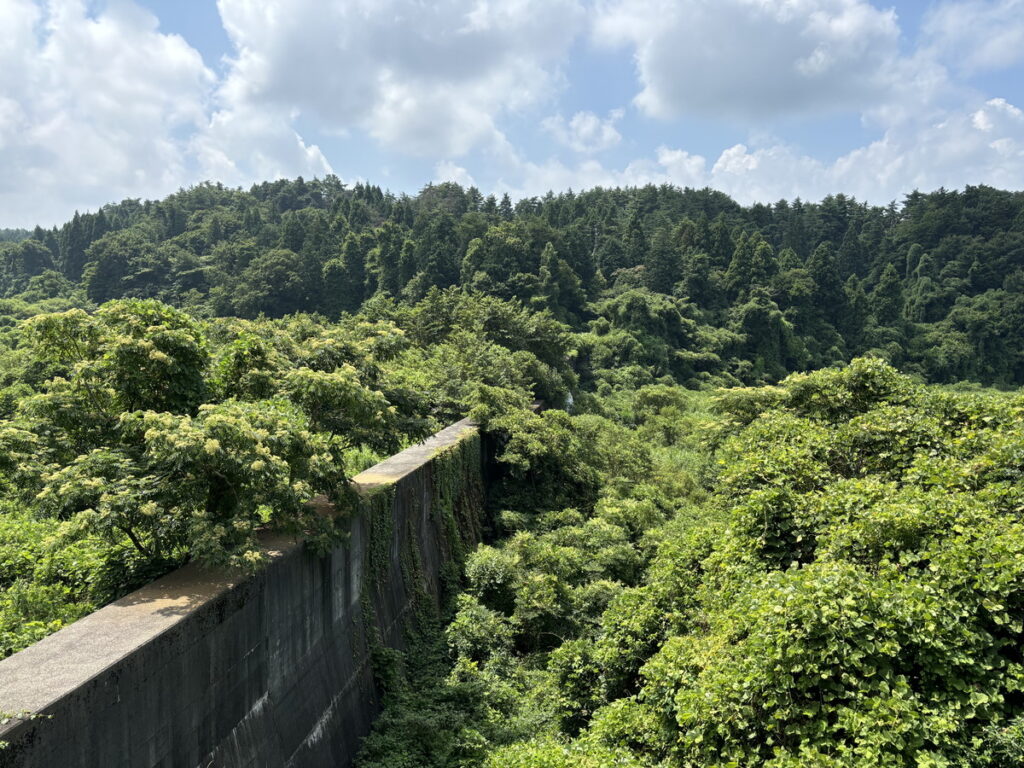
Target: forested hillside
(13, 235)
(680, 282)
(769, 517)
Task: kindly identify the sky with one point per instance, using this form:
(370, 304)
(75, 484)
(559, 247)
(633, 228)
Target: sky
(763, 99)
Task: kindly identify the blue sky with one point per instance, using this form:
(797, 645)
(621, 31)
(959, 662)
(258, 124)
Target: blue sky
(763, 99)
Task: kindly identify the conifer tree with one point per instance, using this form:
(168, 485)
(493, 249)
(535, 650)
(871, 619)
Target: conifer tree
(293, 233)
(788, 260)
(763, 264)
(887, 299)
(828, 291)
(561, 287)
(737, 276)
(850, 258)
(505, 209)
(635, 241)
(385, 259)
(663, 266)
(720, 245)
(437, 249)
(406, 263)
(854, 320)
(73, 248)
(351, 285)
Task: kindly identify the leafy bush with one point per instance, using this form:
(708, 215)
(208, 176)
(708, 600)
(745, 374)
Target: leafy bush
(136, 437)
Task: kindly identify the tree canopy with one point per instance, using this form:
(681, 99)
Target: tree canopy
(780, 288)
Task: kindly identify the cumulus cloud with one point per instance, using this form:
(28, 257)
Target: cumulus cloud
(982, 145)
(244, 143)
(977, 35)
(751, 58)
(425, 78)
(585, 131)
(449, 171)
(96, 105)
(91, 107)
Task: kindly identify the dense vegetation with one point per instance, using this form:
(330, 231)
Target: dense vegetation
(744, 532)
(136, 437)
(684, 282)
(14, 235)
(825, 573)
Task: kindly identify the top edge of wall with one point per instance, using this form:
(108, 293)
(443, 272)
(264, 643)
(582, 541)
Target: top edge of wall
(39, 676)
(394, 468)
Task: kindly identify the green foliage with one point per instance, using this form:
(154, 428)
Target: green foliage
(543, 754)
(148, 437)
(932, 285)
(528, 598)
(131, 355)
(47, 582)
(841, 617)
(338, 402)
(824, 571)
(843, 585)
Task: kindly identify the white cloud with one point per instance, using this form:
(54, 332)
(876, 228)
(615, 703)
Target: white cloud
(245, 143)
(982, 145)
(449, 171)
(684, 169)
(752, 59)
(968, 146)
(529, 179)
(585, 132)
(423, 78)
(755, 58)
(91, 107)
(767, 173)
(99, 105)
(977, 35)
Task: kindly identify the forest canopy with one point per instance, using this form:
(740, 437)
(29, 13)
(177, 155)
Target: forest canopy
(677, 282)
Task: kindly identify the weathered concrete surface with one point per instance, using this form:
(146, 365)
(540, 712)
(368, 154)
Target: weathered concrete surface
(205, 669)
(394, 468)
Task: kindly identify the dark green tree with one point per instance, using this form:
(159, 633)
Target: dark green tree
(854, 320)
(274, 283)
(635, 241)
(887, 300)
(351, 285)
(560, 287)
(828, 291)
(74, 241)
(663, 266)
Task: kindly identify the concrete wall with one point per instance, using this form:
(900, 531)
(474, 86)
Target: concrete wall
(205, 669)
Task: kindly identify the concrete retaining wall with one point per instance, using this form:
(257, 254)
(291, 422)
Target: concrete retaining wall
(208, 670)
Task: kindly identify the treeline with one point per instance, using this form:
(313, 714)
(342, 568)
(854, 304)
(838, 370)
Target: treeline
(713, 291)
(14, 235)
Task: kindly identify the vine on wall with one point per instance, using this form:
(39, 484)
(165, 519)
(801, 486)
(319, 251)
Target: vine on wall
(455, 492)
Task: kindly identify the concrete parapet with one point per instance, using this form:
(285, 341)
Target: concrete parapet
(211, 669)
